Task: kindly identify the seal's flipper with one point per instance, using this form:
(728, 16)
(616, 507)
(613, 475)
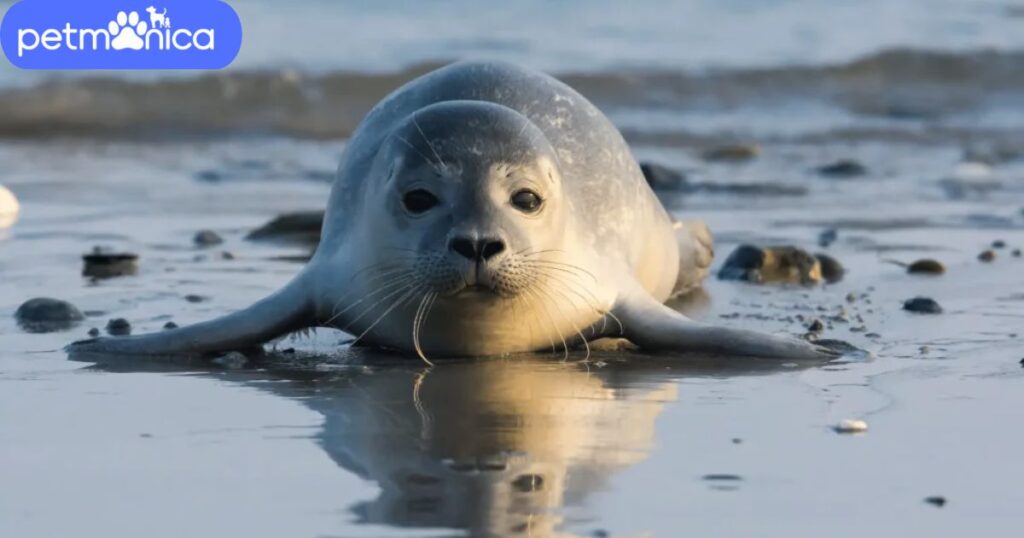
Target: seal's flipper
(285, 311)
(696, 252)
(656, 327)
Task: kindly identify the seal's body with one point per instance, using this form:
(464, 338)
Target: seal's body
(485, 209)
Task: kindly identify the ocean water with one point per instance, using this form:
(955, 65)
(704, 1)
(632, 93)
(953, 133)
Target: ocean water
(324, 440)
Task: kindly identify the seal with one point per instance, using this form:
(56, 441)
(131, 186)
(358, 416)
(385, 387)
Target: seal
(485, 209)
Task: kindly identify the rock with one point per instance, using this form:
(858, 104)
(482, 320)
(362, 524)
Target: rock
(205, 238)
(771, 264)
(227, 255)
(1016, 253)
(102, 263)
(732, 153)
(44, 315)
(301, 227)
(851, 426)
(831, 270)
(936, 500)
(210, 176)
(922, 305)
(998, 243)
(845, 168)
(987, 256)
(119, 327)
(926, 266)
(827, 237)
(9, 208)
(193, 298)
(722, 477)
(663, 178)
(851, 297)
(94, 332)
(815, 326)
(170, 325)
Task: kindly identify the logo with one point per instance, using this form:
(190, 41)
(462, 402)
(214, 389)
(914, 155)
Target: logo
(121, 34)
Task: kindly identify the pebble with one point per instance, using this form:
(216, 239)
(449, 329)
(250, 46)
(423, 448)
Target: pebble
(9, 208)
(94, 332)
(987, 256)
(101, 263)
(999, 243)
(732, 153)
(828, 237)
(44, 314)
(193, 298)
(1016, 253)
(170, 325)
(771, 264)
(936, 500)
(205, 238)
(816, 326)
(851, 297)
(226, 255)
(844, 168)
(301, 227)
(850, 425)
(662, 177)
(922, 305)
(831, 270)
(119, 327)
(926, 266)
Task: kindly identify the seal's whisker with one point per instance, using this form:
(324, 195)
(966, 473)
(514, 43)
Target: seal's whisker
(432, 164)
(558, 307)
(421, 315)
(407, 285)
(595, 303)
(401, 300)
(440, 161)
(565, 266)
(390, 284)
(535, 300)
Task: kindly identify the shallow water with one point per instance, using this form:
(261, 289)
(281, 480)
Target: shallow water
(316, 439)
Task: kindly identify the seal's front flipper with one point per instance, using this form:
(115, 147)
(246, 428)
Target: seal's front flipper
(656, 327)
(283, 312)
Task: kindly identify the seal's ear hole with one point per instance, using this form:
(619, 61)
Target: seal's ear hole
(419, 201)
(526, 201)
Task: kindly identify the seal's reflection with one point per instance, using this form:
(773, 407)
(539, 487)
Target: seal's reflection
(492, 447)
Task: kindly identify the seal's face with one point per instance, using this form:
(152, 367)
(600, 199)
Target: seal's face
(475, 200)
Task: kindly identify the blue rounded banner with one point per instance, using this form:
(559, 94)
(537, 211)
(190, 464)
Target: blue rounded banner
(121, 34)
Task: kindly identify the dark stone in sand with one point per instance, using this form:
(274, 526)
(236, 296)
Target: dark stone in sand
(1022, 362)
(210, 176)
(831, 270)
(94, 332)
(1016, 253)
(662, 177)
(732, 153)
(528, 482)
(926, 266)
(771, 264)
(302, 226)
(936, 500)
(170, 325)
(922, 305)
(722, 477)
(845, 168)
(119, 327)
(44, 315)
(101, 263)
(828, 237)
(987, 256)
(815, 326)
(999, 243)
(193, 298)
(227, 255)
(205, 238)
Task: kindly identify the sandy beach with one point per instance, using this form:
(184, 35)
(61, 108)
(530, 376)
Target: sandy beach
(320, 439)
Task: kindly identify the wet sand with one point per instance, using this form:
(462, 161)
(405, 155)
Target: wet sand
(334, 442)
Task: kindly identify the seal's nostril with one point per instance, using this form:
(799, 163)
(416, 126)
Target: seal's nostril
(464, 247)
(490, 248)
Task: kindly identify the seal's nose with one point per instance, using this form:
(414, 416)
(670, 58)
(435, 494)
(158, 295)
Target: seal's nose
(477, 250)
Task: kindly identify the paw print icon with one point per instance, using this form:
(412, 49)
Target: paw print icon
(126, 31)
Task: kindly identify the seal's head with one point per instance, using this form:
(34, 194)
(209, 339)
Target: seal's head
(473, 201)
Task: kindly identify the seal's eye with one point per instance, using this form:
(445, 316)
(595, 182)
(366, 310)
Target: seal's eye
(419, 201)
(526, 201)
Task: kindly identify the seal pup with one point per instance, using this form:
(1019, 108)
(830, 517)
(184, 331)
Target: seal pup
(485, 209)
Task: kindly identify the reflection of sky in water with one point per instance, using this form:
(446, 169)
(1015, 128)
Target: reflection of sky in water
(589, 34)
